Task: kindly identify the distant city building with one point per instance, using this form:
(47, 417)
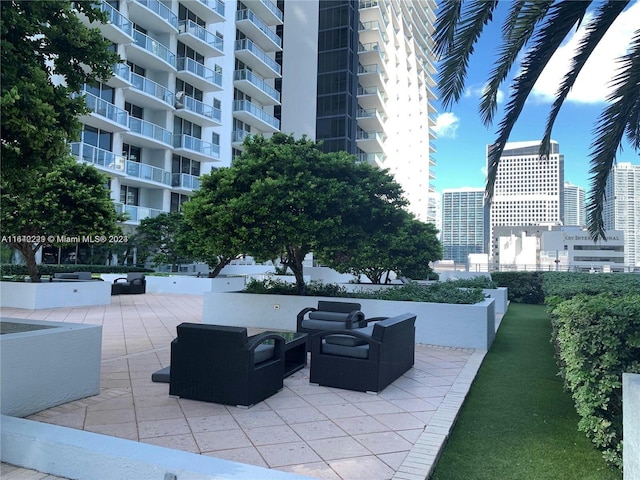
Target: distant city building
(528, 189)
(575, 250)
(463, 215)
(575, 211)
(622, 208)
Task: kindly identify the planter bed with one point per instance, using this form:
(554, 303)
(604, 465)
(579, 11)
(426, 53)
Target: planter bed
(44, 364)
(443, 324)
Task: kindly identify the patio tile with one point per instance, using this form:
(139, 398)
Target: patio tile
(162, 428)
(318, 430)
(379, 406)
(301, 415)
(319, 470)
(400, 421)
(110, 417)
(248, 455)
(383, 442)
(362, 468)
(288, 454)
(252, 419)
(222, 440)
(120, 430)
(271, 435)
(393, 460)
(340, 447)
(356, 425)
(192, 408)
(158, 413)
(178, 442)
(214, 423)
(342, 410)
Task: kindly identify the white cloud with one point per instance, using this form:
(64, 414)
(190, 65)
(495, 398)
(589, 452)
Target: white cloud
(478, 91)
(591, 86)
(446, 125)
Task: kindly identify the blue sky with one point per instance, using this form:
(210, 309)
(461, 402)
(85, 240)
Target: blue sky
(462, 138)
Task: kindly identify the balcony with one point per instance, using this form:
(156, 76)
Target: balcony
(137, 213)
(372, 75)
(370, 142)
(371, 97)
(153, 15)
(267, 10)
(118, 28)
(121, 76)
(104, 114)
(237, 137)
(200, 39)
(147, 134)
(196, 111)
(254, 86)
(373, 11)
(372, 32)
(149, 94)
(370, 120)
(211, 11)
(376, 159)
(198, 75)
(184, 181)
(103, 159)
(148, 173)
(249, 113)
(196, 148)
(150, 53)
(258, 31)
(255, 58)
(371, 53)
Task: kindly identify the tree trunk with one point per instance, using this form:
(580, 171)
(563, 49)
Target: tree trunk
(224, 261)
(29, 253)
(294, 260)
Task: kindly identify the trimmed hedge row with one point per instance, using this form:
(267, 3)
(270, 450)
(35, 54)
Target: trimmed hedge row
(597, 339)
(48, 269)
(523, 287)
(568, 285)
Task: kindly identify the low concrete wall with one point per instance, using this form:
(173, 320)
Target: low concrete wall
(444, 324)
(185, 285)
(631, 425)
(43, 368)
(35, 296)
(83, 455)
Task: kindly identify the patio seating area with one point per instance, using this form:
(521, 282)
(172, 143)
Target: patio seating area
(317, 431)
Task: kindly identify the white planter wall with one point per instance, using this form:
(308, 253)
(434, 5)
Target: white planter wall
(444, 324)
(35, 296)
(631, 425)
(185, 285)
(44, 368)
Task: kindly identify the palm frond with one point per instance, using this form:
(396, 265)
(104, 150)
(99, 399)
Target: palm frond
(456, 51)
(445, 27)
(620, 116)
(517, 29)
(595, 30)
(561, 18)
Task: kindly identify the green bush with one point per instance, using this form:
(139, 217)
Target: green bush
(567, 285)
(597, 339)
(444, 292)
(523, 287)
(475, 282)
(7, 270)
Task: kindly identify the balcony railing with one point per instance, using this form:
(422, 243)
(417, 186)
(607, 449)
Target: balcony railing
(105, 109)
(372, 91)
(196, 106)
(215, 5)
(273, 8)
(238, 136)
(373, 158)
(247, 14)
(114, 17)
(123, 71)
(370, 113)
(246, 44)
(190, 65)
(191, 27)
(197, 145)
(154, 47)
(247, 106)
(372, 47)
(137, 213)
(363, 135)
(152, 88)
(150, 130)
(184, 180)
(97, 156)
(257, 81)
(161, 10)
(148, 172)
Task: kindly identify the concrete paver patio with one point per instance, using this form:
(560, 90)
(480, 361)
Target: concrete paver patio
(320, 432)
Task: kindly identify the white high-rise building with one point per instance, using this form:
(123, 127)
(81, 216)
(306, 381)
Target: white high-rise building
(200, 75)
(528, 189)
(575, 212)
(622, 208)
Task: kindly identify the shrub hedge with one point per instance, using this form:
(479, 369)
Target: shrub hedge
(567, 285)
(597, 339)
(523, 287)
(48, 269)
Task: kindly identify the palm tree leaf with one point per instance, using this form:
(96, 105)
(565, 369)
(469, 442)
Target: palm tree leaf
(456, 52)
(445, 27)
(561, 19)
(517, 29)
(620, 116)
(594, 32)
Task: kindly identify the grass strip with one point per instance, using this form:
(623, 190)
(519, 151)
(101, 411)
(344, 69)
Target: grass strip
(517, 421)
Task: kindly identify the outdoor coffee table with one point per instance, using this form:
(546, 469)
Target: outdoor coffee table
(295, 351)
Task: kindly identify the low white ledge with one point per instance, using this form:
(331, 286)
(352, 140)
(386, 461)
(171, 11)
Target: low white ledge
(36, 296)
(47, 367)
(70, 453)
(631, 425)
(184, 284)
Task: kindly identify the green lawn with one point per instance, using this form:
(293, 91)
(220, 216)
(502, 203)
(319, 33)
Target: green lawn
(518, 422)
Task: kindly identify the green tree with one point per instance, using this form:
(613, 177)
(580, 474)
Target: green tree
(65, 200)
(46, 54)
(159, 240)
(286, 198)
(414, 248)
(536, 29)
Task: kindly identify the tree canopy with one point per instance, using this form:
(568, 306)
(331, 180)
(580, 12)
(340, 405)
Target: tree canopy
(532, 32)
(284, 198)
(159, 240)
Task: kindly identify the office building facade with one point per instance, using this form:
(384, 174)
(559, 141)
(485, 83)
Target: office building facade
(622, 208)
(575, 212)
(529, 190)
(463, 217)
(199, 76)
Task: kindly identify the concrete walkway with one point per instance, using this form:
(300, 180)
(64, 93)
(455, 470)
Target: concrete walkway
(310, 430)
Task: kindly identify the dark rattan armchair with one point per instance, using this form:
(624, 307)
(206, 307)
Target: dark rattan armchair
(220, 364)
(329, 316)
(134, 283)
(367, 359)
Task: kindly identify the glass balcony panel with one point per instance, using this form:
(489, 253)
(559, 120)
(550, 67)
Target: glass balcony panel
(114, 17)
(152, 88)
(137, 213)
(147, 172)
(247, 14)
(191, 27)
(196, 106)
(247, 106)
(238, 136)
(197, 145)
(105, 109)
(257, 81)
(97, 156)
(154, 47)
(199, 70)
(161, 10)
(273, 8)
(150, 130)
(123, 71)
(246, 44)
(185, 180)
